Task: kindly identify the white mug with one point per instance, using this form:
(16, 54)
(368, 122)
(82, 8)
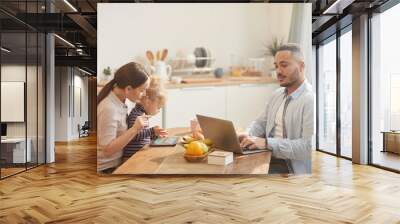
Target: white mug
(162, 70)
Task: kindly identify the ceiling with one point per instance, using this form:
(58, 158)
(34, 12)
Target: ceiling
(76, 22)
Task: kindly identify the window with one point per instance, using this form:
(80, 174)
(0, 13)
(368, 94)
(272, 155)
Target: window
(22, 69)
(346, 94)
(385, 87)
(327, 97)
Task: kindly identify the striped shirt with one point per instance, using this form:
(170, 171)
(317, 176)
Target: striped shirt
(143, 137)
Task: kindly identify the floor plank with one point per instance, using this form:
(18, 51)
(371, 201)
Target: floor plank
(70, 191)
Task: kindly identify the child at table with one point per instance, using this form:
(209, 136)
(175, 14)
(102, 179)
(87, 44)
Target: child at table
(150, 104)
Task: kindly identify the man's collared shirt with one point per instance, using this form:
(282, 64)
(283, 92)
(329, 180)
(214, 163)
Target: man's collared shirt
(297, 126)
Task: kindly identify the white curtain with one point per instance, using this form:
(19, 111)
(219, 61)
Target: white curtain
(300, 33)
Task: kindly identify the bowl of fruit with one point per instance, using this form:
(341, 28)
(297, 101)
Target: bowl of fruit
(196, 150)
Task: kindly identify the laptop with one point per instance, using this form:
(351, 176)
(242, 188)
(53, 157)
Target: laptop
(223, 135)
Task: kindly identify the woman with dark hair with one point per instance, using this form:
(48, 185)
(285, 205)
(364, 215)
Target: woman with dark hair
(130, 82)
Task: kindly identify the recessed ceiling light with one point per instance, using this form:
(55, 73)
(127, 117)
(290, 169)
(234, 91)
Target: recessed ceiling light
(337, 7)
(70, 5)
(86, 72)
(64, 40)
(5, 50)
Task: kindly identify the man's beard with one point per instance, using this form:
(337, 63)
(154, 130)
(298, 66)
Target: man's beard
(295, 75)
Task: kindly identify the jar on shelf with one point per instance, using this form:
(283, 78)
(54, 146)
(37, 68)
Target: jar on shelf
(255, 67)
(236, 65)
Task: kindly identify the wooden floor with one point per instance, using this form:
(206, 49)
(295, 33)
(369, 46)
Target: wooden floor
(70, 191)
(5, 172)
(387, 159)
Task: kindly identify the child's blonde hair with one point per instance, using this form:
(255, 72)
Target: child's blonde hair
(156, 91)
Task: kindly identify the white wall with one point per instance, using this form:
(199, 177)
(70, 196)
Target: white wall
(126, 31)
(68, 83)
(34, 125)
(17, 73)
(80, 83)
(61, 103)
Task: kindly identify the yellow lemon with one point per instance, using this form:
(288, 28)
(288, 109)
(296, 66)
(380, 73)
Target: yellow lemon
(194, 148)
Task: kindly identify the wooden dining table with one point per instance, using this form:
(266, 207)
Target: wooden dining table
(170, 160)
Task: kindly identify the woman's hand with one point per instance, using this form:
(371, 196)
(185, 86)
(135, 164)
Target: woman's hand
(140, 122)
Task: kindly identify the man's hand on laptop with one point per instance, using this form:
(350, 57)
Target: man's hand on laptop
(242, 135)
(252, 142)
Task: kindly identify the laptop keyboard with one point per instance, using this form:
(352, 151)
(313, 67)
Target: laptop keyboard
(244, 148)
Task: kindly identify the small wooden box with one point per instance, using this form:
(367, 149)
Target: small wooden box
(220, 158)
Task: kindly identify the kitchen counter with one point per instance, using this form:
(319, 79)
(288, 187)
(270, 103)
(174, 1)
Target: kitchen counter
(202, 80)
(209, 80)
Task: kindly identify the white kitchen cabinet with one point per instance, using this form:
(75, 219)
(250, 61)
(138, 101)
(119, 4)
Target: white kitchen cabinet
(183, 104)
(239, 103)
(246, 102)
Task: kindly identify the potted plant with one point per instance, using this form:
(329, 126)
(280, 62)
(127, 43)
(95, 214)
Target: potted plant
(270, 52)
(107, 73)
(272, 48)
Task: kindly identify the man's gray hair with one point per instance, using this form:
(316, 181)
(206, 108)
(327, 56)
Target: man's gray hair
(295, 49)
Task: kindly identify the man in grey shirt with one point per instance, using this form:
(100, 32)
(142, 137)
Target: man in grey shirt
(286, 126)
